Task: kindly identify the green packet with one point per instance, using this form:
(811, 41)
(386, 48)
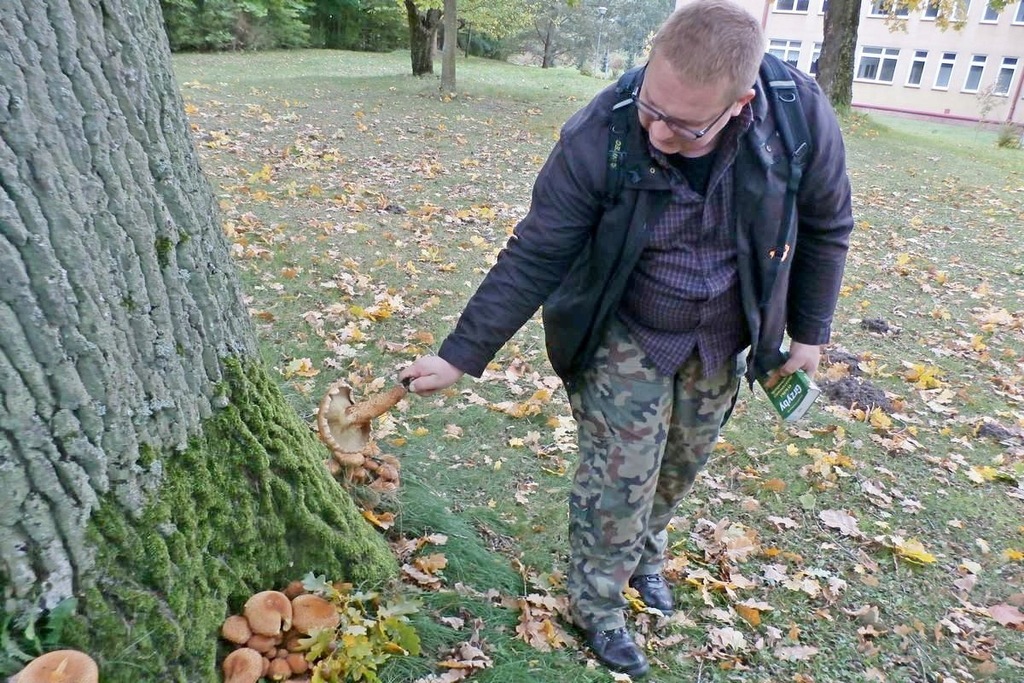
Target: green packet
(793, 395)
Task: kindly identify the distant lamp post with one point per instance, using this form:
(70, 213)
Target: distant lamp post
(601, 11)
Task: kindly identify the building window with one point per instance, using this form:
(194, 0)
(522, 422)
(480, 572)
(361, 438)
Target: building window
(917, 68)
(991, 15)
(792, 5)
(961, 8)
(786, 50)
(883, 8)
(815, 56)
(945, 70)
(824, 6)
(973, 80)
(877, 64)
(1019, 17)
(1005, 78)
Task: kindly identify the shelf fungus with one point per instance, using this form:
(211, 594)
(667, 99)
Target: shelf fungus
(344, 426)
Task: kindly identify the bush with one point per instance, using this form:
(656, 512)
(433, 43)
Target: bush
(1010, 136)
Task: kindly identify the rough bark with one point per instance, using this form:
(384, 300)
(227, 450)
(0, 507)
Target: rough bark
(450, 49)
(423, 26)
(148, 466)
(838, 52)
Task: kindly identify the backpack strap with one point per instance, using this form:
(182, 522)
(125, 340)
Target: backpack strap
(796, 137)
(619, 129)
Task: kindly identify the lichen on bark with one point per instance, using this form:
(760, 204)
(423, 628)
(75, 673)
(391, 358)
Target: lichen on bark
(247, 506)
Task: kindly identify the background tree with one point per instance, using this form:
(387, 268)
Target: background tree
(495, 18)
(838, 52)
(235, 24)
(837, 62)
(450, 47)
(150, 468)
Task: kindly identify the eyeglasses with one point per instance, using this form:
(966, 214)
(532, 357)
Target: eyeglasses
(674, 124)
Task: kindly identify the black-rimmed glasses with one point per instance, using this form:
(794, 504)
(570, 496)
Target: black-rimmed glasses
(674, 124)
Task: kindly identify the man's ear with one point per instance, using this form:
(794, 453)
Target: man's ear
(743, 100)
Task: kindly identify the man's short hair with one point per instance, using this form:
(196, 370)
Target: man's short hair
(711, 42)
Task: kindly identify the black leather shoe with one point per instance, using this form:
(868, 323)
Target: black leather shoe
(655, 592)
(617, 651)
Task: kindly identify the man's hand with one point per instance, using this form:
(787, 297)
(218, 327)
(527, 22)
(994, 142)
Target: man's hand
(801, 357)
(430, 374)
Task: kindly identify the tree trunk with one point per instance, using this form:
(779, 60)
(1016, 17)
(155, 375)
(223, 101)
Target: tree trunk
(149, 466)
(838, 52)
(450, 49)
(548, 41)
(422, 34)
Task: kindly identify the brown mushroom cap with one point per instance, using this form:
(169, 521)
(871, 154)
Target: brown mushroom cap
(60, 666)
(264, 644)
(294, 588)
(243, 665)
(279, 669)
(236, 630)
(268, 613)
(311, 612)
(298, 663)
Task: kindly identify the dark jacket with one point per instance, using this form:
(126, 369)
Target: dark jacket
(574, 254)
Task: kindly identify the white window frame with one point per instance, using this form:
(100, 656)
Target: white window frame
(1010, 64)
(949, 61)
(991, 16)
(824, 7)
(931, 11)
(815, 56)
(883, 55)
(783, 48)
(882, 8)
(977, 68)
(1018, 18)
(794, 6)
(920, 57)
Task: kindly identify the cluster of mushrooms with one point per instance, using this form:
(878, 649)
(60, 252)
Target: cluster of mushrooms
(344, 426)
(268, 631)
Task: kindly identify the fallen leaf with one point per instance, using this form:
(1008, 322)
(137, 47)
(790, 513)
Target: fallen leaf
(796, 652)
(1007, 615)
(841, 520)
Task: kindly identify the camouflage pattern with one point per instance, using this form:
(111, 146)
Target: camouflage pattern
(643, 438)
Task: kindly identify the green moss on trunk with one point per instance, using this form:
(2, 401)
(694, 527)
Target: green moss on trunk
(248, 507)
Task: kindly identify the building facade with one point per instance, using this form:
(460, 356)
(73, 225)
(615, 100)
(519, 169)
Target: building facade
(909, 64)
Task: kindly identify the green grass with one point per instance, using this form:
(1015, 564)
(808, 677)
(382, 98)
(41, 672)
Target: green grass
(365, 210)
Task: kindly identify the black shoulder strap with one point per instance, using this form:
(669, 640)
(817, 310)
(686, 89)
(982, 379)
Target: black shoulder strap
(792, 126)
(619, 129)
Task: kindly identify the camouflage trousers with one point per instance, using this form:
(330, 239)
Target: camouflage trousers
(643, 437)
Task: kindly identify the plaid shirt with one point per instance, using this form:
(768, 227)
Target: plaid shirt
(684, 293)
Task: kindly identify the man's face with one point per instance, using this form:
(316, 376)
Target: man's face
(680, 118)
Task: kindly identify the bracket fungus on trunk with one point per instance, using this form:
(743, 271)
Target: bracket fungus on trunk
(344, 427)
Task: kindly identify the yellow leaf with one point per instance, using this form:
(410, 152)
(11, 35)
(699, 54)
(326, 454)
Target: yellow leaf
(420, 431)
(384, 521)
(431, 563)
(911, 549)
(303, 367)
(751, 615)
(775, 485)
(1013, 555)
(792, 449)
(880, 420)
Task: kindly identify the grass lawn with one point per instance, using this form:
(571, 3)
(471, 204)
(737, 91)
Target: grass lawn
(882, 539)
